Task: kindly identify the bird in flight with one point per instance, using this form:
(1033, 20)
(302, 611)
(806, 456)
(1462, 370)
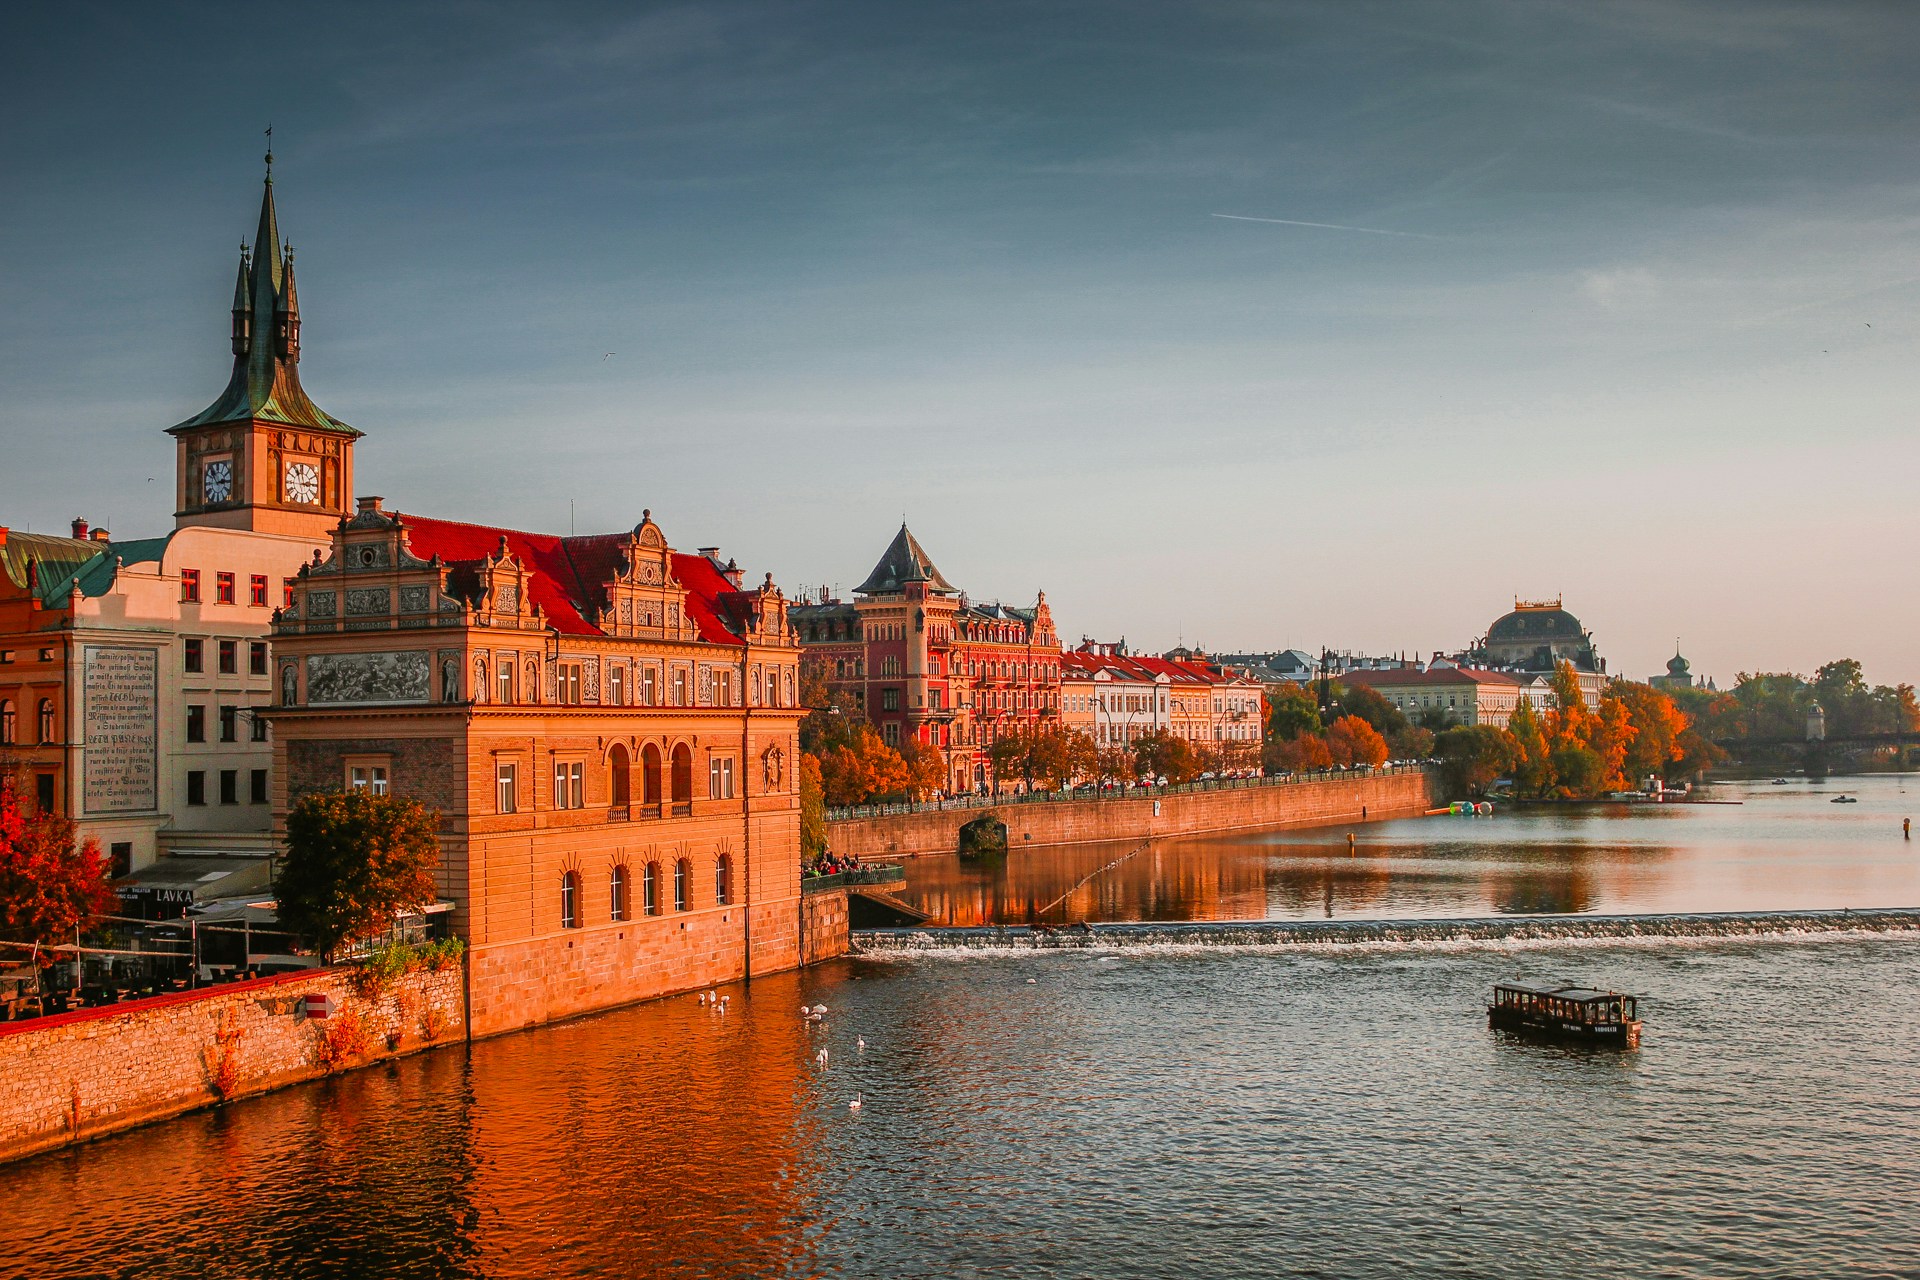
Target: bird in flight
(610, 355)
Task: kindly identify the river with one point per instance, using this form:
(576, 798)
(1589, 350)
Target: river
(1779, 848)
(1152, 1112)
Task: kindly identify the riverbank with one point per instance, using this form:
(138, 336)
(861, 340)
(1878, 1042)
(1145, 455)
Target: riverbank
(1252, 805)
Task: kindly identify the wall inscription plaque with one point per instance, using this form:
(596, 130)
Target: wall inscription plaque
(120, 703)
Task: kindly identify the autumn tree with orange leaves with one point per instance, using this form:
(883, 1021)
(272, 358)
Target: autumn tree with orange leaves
(50, 883)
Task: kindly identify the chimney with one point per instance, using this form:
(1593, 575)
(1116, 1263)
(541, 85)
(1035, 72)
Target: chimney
(101, 535)
(734, 575)
(368, 504)
(80, 528)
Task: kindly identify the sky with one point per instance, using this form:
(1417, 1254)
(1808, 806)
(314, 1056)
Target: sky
(1245, 325)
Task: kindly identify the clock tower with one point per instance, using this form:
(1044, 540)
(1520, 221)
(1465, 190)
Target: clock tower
(263, 456)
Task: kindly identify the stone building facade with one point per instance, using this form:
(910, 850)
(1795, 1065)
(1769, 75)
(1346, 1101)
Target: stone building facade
(921, 661)
(608, 728)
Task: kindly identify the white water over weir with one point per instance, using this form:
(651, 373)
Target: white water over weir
(1282, 933)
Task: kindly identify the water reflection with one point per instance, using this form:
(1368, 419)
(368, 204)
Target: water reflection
(1780, 848)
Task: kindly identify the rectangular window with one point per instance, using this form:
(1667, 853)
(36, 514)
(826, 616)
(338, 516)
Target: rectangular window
(650, 686)
(229, 724)
(370, 778)
(196, 723)
(196, 787)
(194, 656)
(229, 657)
(257, 658)
(506, 793)
(190, 586)
(506, 684)
(258, 590)
(257, 728)
(567, 683)
(569, 785)
(679, 687)
(43, 793)
(889, 699)
(229, 786)
(286, 587)
(257, 787)
(223, 588)
(617, 686)
(725, 690)
(720, 778)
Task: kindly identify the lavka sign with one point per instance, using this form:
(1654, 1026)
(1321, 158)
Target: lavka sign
(120, 701)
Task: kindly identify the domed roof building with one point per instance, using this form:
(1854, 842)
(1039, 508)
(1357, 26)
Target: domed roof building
(1537, 636)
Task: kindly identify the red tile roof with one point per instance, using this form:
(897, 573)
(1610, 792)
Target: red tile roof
(570, 574)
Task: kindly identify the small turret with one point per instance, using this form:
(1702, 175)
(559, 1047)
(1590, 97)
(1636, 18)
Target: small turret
(286, 314)
(242, 309)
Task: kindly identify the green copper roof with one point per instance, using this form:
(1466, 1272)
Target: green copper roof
(266, 369)
(60, 564)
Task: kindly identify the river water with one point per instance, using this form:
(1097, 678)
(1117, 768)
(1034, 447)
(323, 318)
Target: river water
(1156, 1112)
(1779, 848)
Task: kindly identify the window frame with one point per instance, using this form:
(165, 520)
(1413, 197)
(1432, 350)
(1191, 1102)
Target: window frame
(506, 786)
(223, 588)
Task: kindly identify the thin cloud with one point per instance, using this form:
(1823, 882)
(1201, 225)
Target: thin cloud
(1330, 226)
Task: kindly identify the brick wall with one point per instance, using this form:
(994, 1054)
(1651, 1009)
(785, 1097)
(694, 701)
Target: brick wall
(422, 768)
(76, 1076)
(1302, 804)
(823, 925)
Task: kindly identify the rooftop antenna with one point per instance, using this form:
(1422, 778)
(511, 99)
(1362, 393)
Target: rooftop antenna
(570, 517)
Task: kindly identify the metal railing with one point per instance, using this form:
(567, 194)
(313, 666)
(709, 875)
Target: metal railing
(1087, 795)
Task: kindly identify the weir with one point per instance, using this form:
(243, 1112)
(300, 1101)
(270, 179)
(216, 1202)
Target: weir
(1282, 933)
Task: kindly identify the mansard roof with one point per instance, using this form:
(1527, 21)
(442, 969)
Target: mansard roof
(569, 575)
(905, 561)
(265, 383)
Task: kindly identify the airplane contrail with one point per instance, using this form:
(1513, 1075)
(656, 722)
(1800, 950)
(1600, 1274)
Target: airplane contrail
(1329, 226)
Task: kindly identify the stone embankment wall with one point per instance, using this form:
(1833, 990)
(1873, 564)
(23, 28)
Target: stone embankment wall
(75, 1076)
(1296, 804)
(824, 930)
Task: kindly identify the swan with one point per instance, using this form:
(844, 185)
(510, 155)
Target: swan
(821, 1057)
(859, 1042)
(855, 1103)
(820, 1009)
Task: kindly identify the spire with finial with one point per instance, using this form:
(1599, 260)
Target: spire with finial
(265, 385)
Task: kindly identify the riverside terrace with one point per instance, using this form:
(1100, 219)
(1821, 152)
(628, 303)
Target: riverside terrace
(1137, 813)
(1119, 791)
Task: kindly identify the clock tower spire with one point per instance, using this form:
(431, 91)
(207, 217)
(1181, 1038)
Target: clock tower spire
(263, 456)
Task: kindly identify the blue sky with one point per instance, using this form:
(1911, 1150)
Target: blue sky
(1644, 334)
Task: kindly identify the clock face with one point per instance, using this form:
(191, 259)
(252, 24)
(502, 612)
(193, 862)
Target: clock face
(303, 482)
(216, 482)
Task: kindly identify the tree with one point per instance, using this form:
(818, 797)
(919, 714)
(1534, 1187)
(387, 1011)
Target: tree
(1351, 740)
(1291, 711)
(354, 861)
(50, 885)
(1658, 725)
(925, 768)
(1039, 754)
(1532, 770)
(1473, 757)
(1372, 706)
(862, 768)
(1166, 755)
(1308, 751)
(813, 809)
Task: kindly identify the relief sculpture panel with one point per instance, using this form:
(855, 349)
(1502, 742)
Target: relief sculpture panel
(340, 678)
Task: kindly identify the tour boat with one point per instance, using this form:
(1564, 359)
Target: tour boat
(1843, 800)
(1604, 1019)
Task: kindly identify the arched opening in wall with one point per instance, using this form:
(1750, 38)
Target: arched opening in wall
(723, 880)
(570, 900)
(46, 720)
(682, 780)
(650, 781)
(682, 876)
(650, 889)
(619, 780)
(617, 893)
(9, 724)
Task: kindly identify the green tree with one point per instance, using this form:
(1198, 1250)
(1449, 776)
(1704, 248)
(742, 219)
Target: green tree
(1291, 711)
(1166, 755)
(1372, 706)
(50, 883)
(1532, 769)
(813, 809)
(354, 861)
(1473, 757)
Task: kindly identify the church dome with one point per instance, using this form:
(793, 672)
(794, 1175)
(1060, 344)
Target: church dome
(1678, 666)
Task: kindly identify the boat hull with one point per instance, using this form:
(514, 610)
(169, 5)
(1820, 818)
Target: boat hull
(1611, 1035)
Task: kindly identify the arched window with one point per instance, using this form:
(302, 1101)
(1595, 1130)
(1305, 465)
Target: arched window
(723, 880)
(650, 889)
(682, 875)
(619, 776)
(617, 893)
(650, 778)
(46, 719)
(570, 900)
(682, 778)
(9, 726)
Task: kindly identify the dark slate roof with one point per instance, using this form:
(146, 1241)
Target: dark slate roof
(904, 562)
(264, 384)
(1536, 624)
